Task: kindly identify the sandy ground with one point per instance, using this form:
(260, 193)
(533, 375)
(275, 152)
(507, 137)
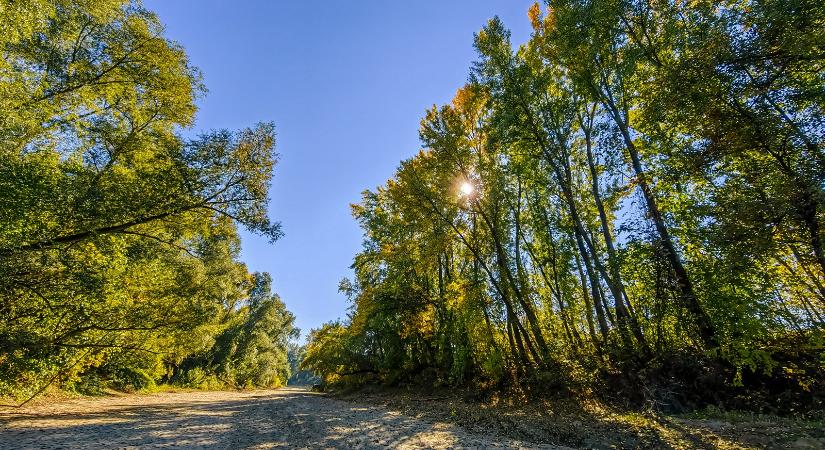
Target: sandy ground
(283, 418)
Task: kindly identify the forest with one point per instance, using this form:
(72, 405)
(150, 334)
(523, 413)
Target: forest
(119, 244)
(630, 204)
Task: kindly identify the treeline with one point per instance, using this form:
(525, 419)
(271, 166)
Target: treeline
(630, 202)
(118, 237)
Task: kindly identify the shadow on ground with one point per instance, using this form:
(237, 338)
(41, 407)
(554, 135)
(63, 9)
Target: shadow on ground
(284, 418)
(582, 424)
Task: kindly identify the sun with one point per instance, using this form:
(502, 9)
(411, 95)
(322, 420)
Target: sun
(466, 189)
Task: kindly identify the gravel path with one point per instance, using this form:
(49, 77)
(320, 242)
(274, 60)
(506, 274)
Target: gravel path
(283, 418)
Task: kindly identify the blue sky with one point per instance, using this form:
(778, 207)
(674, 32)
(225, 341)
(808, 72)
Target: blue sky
(346, 83)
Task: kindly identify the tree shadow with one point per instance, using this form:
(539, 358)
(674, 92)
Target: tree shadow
(572, 422)
(293, 418)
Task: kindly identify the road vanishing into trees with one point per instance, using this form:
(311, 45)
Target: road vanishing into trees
(289, 417)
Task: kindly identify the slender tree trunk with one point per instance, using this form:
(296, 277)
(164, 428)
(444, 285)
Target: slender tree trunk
(538, 132)
(515, 328)
(687, 295)
(562, 173)
(483, 302)
(594, 286)
(532, 319)
(569, 329)
(626, 317)
(589, 308)
(541, 213)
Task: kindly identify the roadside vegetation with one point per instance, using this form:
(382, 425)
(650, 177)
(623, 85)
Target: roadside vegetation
(119, 247)
(586, 422)
(627, 206)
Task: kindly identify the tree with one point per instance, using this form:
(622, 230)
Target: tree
(117, 235)
(636, 190)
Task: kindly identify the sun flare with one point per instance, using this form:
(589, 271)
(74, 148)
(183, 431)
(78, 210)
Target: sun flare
(466, 189)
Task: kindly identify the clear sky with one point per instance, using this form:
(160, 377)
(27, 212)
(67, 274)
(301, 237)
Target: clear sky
(346, 83)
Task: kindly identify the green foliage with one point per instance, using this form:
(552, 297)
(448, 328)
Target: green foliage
(118, 237)
(252, 349)
(638, 189)
(329, 353)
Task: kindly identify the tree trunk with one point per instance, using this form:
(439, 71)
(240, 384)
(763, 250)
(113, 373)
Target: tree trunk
(687, 295)
(626, 317)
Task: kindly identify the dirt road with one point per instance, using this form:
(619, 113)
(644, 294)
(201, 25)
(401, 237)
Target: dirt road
(283, 418)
